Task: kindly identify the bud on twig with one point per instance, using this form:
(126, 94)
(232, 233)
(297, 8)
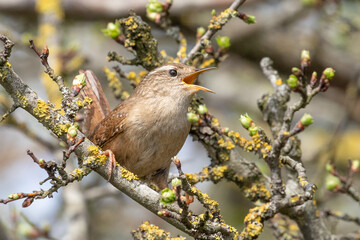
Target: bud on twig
(112, 30)
(306, 120)
(176, 182)
(202, 109)
(253, 131)
(329, 167)
(293, 81)
(192, 117)
(355, 165)
(153, 10)
(329, 73)
(78, 83)
(313, 79)
(249, 19)
(296, 71)
(246, 121)
(332, 182)
(71, 135)
(223, 42)
(200, 32)
(305, 59)
(168, 196)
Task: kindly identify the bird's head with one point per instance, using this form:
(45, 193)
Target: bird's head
(176, 78)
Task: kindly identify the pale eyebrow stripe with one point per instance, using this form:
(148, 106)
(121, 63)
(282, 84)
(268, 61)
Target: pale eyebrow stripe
(161, 69)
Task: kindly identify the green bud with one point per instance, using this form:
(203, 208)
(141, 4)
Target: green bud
(154, 6)
(292, 81)
(306, 119)
(213, 12)
(200, 31)
(253, 131)
(295, 71)
(175, 182)
(202, 109)
(167, 196)
(41, 161)
(159, 213)
(72, 131)
(112, 30)
(329, 167)
(79, 80)
(192, 117)
(305, 54)
(245, 120)
(329, 73)
(14, 196)
(332, 182)
(355, 165)
(250, 19)
(223, 42)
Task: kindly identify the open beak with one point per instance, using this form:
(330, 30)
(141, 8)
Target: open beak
(189, 80)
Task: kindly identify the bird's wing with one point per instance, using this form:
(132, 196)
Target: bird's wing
(99, 107)
(111, 126)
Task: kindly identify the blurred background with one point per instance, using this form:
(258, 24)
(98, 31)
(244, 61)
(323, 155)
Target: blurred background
(329, 29)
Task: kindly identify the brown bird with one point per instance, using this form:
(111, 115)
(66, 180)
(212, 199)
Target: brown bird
(146, 130)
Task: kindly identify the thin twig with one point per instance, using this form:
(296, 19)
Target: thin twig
(209, 34)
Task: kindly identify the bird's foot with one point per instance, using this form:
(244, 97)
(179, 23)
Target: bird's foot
(112, 162)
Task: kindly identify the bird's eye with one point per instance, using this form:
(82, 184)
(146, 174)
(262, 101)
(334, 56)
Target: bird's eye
(173, 72)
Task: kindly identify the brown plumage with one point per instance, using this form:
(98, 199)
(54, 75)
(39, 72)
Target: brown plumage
(151, 126)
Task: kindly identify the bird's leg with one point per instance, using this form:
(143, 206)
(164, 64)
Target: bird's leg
(112, 162)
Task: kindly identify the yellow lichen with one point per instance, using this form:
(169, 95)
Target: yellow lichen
(41, 110)
(85, 102)
(295, 199)
(128, 175)
(78, 173)
(131, 75)
(60, 128)
(207, 63)
(218, 172)
(181, 54)
(257, 191)
(93, 150)
(215, 122)
(254, 222)
(22, 99)
(278, 81)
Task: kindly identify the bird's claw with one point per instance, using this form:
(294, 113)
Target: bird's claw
(112, 162)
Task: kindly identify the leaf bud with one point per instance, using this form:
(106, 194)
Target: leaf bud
(168, 196)
(246, 121)
(355, 165)
(192, 117)
(329, 73)
(306, 120)
(253, 131)
(223, 42)
(175, 182)
(202, 109)
(332, 182)
(292, 81)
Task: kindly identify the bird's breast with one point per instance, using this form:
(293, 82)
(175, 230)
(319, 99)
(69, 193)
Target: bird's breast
(152, 135)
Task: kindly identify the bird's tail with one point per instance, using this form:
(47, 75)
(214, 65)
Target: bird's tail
(99, 107)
